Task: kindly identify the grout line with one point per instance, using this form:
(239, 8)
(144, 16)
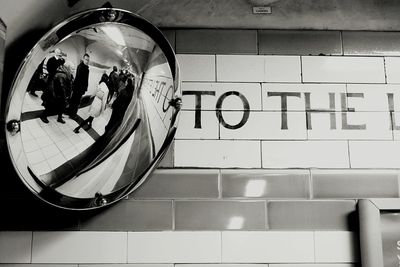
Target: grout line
(220, 238)
(384, 69)
(127, 247)
(261, 155)
(315, 256)
(31, 247)
(311, 187)
(261, 96)
(341, 42)
(219, 180)
(398, 185)
(266, 215)
(173, 215)
(348, 153)
(301, 70)
(215, 68)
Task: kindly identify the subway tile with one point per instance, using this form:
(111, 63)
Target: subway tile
(373, 97)
(270, 246)
(345, 244)
(231, 68)
(265, 184)
(200, 96)
(209, 41)
(174, 247)
(263, 125)
(395, 116)
(220, 215)
(392, 65)
(374, 154)
(343, 69)
(292, 42)
(221, 265)
(355, 183)
(275, 64)
(124, 265)
(371, 43)
(293, 97)
(237, 96)
(224, 96)
(130, 215)
(197, 125)
(82, 247)
(314, 265)
(15, 247)
(305, 154)
(217, 153)
(197, 67)
(311, 215)
(170, 35)
(350, 126)
(175, 183)
(41, 265)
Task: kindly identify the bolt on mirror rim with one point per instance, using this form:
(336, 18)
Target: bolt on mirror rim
(61, 31)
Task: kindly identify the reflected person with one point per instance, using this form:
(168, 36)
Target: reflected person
(120, 105)
(113, 83)
(99, 103)
(55, 98)
(53, 63)
(79, 86)
(38, 81)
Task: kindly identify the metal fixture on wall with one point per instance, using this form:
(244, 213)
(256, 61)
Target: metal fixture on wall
(93, 109)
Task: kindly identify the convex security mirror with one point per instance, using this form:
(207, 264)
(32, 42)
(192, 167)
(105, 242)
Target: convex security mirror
(93, 108)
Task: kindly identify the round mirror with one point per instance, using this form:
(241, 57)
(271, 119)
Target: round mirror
(93, 109)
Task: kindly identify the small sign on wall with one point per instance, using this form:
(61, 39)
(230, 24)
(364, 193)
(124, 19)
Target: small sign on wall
(262, 10)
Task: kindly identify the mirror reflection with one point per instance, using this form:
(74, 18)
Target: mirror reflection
(95, 111)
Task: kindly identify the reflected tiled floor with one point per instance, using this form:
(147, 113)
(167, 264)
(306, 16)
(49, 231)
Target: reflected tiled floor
(47, 146)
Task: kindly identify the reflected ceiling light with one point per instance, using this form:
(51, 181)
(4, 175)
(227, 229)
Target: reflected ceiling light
(115, 34)
(255, 188)
(236, 222)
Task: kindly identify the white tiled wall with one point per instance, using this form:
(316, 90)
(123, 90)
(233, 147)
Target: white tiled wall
(217, 153)
(197, 67)
(319, 96)
(155, 248)
(333, 246)
(272, 247)
(355, 87)
(15, 247)
(343, 69)
(282, 69)
(174, 247)
(209, 126)
(264, 126)
(208, 102)
(240, 68)
(374, 154)
(81, 247)
(310, 154)
(392, 65)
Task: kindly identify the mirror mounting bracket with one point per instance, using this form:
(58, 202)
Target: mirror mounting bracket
(14, 126)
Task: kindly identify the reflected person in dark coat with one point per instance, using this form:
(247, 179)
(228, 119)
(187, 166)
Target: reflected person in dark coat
(53, 63)
(113, 83)
(79, 86)
(120, 105)
(55, 99)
